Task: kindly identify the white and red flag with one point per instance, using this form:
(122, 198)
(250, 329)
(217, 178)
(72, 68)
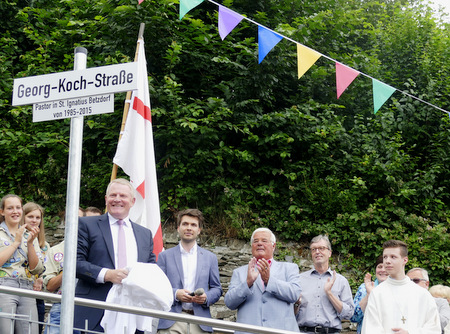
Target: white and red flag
(136, 155)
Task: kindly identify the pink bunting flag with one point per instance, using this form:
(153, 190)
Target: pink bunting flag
(228, 20)
(344, 77)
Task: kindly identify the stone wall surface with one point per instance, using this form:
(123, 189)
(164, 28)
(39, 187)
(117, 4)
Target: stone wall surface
(231, 254)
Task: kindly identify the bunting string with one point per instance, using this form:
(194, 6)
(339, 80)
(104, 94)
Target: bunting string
(306, 57)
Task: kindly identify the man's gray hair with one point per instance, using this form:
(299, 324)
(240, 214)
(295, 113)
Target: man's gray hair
(422, 271)
(264, 229)
(321, 237)
(125, 182)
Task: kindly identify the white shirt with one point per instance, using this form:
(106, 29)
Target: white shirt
(189, 261)
(130, 240)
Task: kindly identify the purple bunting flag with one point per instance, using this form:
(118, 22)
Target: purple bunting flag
(228, 20)
(266, 41)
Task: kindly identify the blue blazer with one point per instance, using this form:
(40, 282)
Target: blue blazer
(270, 307)
(207, 277)
(96, 251)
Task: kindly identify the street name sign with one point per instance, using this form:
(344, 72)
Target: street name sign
(74, 84)
(82, 106)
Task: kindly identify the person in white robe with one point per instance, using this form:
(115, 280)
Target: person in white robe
(398, 305)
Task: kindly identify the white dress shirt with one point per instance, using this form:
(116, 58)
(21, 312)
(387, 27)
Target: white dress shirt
(130, 240)
(189, 261)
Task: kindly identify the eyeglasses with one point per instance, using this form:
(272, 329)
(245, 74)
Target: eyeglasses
(418, 280)
(320, 249)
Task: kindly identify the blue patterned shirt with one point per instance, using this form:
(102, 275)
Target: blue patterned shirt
(358, 315)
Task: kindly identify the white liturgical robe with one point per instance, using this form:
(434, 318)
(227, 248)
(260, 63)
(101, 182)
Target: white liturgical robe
(401, 304)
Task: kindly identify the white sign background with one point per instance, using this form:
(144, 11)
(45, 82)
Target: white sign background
(73, 84)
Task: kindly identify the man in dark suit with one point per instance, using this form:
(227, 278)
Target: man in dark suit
(98, 256)
(190, 268)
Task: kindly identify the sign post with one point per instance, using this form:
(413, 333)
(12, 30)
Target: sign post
(72, 205)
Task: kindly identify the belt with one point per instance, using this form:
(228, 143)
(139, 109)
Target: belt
(191, 312)
(319, 329)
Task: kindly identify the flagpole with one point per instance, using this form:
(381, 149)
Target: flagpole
(126, 107)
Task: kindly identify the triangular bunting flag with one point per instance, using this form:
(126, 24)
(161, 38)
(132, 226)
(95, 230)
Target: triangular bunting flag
(228, 20)
(381, 92)
(266, 42)
(344, 77)
(306, 58)
(187, 5)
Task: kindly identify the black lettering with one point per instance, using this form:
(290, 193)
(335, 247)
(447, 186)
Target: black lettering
(130, 77)
(122, 77)
(47, 90)
(61, 85)
(98, 79)
(21, 91)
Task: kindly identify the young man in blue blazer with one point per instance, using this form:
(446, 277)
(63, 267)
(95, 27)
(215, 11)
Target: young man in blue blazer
(193, 273)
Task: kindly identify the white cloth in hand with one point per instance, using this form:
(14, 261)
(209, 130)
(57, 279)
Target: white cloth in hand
(146, 286)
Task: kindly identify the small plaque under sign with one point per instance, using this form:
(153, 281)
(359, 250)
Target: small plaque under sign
(68, 108)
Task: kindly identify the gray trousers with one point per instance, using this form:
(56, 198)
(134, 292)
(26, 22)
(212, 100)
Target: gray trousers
(22, 306)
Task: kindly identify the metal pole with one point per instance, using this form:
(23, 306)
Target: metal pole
(72, 205)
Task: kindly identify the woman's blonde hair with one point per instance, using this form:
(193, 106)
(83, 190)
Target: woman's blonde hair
(27, 208)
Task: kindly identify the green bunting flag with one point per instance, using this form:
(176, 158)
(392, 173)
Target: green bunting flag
(381, 92)
(187, 5)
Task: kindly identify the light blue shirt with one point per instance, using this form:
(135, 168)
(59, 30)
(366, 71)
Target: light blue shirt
(315, 307)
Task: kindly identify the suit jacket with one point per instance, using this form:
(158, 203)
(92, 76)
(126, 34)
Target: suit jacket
(271, 306)
(96, 251)
(207, 277)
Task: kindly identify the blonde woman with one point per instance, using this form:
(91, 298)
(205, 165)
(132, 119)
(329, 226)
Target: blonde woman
(19, 261)
(33, 216)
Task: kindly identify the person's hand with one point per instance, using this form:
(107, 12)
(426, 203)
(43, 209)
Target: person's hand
(199, 299)
(400, 330)
(264, 269)
(252, 272)
(37, 285)
(116, 275)
(330, 282)
(19, 235)
(368, 283)
(183, 296)
(33, 232)
(297, 305)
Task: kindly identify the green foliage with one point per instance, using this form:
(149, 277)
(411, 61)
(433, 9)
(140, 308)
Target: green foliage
(251, 144)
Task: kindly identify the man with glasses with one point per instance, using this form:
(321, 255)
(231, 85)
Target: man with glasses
(265, 290)
(398, 305)
(326, 296)
(421, 278)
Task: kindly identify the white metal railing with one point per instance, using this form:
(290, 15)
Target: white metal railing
(220, 325)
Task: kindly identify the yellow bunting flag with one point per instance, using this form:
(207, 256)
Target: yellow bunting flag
(306, 58)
